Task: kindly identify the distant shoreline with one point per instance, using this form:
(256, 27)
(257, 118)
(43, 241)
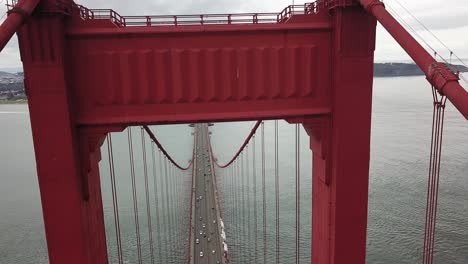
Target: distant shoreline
(6, 102)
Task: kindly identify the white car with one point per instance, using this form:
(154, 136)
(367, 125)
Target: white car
(201, 253)
(213, 251)
(203, 225)
(197, 241)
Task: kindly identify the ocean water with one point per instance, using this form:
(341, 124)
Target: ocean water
(401, 129)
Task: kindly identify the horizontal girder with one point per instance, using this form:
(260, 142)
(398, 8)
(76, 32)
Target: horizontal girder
(198, 73)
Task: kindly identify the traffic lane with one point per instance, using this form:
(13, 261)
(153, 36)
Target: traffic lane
(204, 182)
(200, 207)
(212, 214)
(203, 244)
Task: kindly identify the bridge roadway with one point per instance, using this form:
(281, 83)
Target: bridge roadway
(206, 232)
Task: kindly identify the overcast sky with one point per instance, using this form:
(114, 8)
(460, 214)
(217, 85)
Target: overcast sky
(448, 19)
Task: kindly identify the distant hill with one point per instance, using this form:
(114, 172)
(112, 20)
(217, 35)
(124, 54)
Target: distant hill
(11, 81)
(14, 81)
(405, 69)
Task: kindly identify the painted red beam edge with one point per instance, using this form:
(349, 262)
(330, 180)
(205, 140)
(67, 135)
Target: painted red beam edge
(445, 81)
(155, 140)
(15, 19)
(246, 141)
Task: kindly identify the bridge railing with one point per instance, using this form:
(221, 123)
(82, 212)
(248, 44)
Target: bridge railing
(109, 14)
(305, 9)
(207, 19)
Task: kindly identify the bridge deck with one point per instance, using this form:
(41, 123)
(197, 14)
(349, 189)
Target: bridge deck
(206, 220)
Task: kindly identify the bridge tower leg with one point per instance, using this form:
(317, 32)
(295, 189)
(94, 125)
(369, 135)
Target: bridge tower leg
(66, 157)
(341, 145)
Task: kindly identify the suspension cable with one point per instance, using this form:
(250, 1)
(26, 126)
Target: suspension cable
(430, 32)
(412, 30)
(148, 210)
(277, 192)
(263, 193)
(134, 192)
(246, 141)
(231, 198)
(298, 194)
(434, 176)
(163, 202)
(156, 141)
(238, 220)
(170, 209)
(255, 199)
(156, 206)
(168, 205)
(249, 237)
(115, 204)
(243, 236)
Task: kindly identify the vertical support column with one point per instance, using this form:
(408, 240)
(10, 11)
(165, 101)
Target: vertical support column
(341, 144)
(66, 158)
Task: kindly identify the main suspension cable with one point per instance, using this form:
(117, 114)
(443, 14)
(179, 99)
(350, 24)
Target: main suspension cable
(246, 141)
(430, 32)
(160, 146)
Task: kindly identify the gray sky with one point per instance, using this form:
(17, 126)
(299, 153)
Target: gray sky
(447, 19)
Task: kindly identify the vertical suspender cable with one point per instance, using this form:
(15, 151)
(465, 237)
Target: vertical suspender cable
(115, 204)
(238, 219)
(148, 210)
(179, 212)
(156, 206)
(298, 195)
(167, 233)
(134, 192)
(249, 238)
(242, 206)
(277, 192)
(231, 200)
(163, 203)
(171, 207)
(167, 212)
(263, 193)
(255, 201)
(433, 179)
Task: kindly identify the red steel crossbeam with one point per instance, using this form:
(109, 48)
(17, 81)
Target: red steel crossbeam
(444, 80)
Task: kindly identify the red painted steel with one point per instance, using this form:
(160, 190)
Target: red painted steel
(90, 75)
(202, 19)
(444, 80)
(17, 14)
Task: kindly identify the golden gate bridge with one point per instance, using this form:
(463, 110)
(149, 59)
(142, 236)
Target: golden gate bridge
(309, 64)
